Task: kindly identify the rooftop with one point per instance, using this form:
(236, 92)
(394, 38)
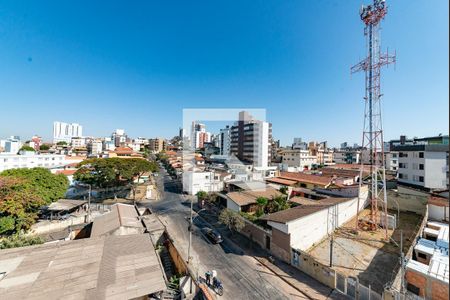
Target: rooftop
(65, 204)
(249, 196)
(281, 181)
(121, 215)
(307, 178)
(294, 213)
(112, 267)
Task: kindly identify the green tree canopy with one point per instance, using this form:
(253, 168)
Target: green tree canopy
(44, 147)
(231, 219)
(61, 143)
(115, 171)
(202, 195)
(26, 148)
(23, 192)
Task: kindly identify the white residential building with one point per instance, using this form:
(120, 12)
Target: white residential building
(300, 159)
(95, 147)
(391, 161)
(11, 145)
(31, 160)
(63, 132)
(207, 181)
(78, 141)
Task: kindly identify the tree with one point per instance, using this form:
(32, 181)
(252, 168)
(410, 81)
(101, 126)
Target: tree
(284, 190)
(202, 195)
(61, 143)
(231, 219)
(262, 202)
(23, 192)
(44, 147)
(113, 172)
(278, 203)
(17, 240)
(26, 148)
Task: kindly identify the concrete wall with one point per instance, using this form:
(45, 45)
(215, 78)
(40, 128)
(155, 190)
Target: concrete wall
(313, 268)
(256, 233)
(438, 213)
(233, 206)
(309, 230)
(435, 170)
(280, 245)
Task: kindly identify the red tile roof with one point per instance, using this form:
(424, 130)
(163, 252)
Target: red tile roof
(66, 172)
(281, 181)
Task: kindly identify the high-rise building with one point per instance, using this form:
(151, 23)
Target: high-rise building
(64, 132)
(119, 137)
(225, 140)
(156, 145)
(250, 140)
(199, 135)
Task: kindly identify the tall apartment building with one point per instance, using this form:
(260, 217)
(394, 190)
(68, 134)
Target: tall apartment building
(199, 135)
(94, 147)
(156, 145)
(250, 140)
(64, 132)
(225, 141)
(423, 163)
(119, 137)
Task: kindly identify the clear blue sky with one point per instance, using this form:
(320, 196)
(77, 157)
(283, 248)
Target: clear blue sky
(136, 65)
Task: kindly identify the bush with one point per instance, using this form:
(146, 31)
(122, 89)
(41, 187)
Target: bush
(17, 240)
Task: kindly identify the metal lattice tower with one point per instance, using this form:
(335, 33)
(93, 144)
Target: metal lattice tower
(372, 139)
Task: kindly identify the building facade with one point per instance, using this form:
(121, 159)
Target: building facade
(31, 160)
(64, 132)
(300, 159)
(250, 140)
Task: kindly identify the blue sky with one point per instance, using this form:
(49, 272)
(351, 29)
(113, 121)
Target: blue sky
(136, 65)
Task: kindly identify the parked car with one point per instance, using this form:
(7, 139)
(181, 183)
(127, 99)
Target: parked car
(212, 235)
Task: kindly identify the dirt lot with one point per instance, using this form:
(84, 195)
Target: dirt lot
(367, 255)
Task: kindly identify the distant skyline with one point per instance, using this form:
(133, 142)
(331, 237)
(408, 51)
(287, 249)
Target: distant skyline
(137, 66)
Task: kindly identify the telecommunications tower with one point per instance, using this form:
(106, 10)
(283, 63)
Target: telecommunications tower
(372, 139)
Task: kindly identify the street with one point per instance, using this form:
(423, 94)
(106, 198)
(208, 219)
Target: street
(243, 277)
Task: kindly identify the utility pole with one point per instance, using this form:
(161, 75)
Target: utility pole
(89, 203)
(190, 240)
(331, 252)
(402, 265)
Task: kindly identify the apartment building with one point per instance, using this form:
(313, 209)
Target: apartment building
(324, 157)
(250, 140)
(347, 156)
(224, 141)
(298, 159)
(94, 147)
(31, 160)
(156, 145)
(64, 132)
(423, 163)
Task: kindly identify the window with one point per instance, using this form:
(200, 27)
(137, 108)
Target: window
(402, 154)
(420, 154)
(421, 255)
(421, 167)
(421, 179)
(403, 165)
(413, 289)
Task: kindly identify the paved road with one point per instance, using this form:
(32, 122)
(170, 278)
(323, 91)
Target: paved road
(242, 276)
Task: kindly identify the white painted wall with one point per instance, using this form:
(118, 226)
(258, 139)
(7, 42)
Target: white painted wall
(435, 170)
(311, 229)
(438, 213)
(193, 182)
(15, 161)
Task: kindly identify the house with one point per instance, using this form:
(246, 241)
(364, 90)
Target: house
(245, 200)
(438, 206)
(302, 226)
(427, 273)
(123, 219)
(103, 267)
(208, 181)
